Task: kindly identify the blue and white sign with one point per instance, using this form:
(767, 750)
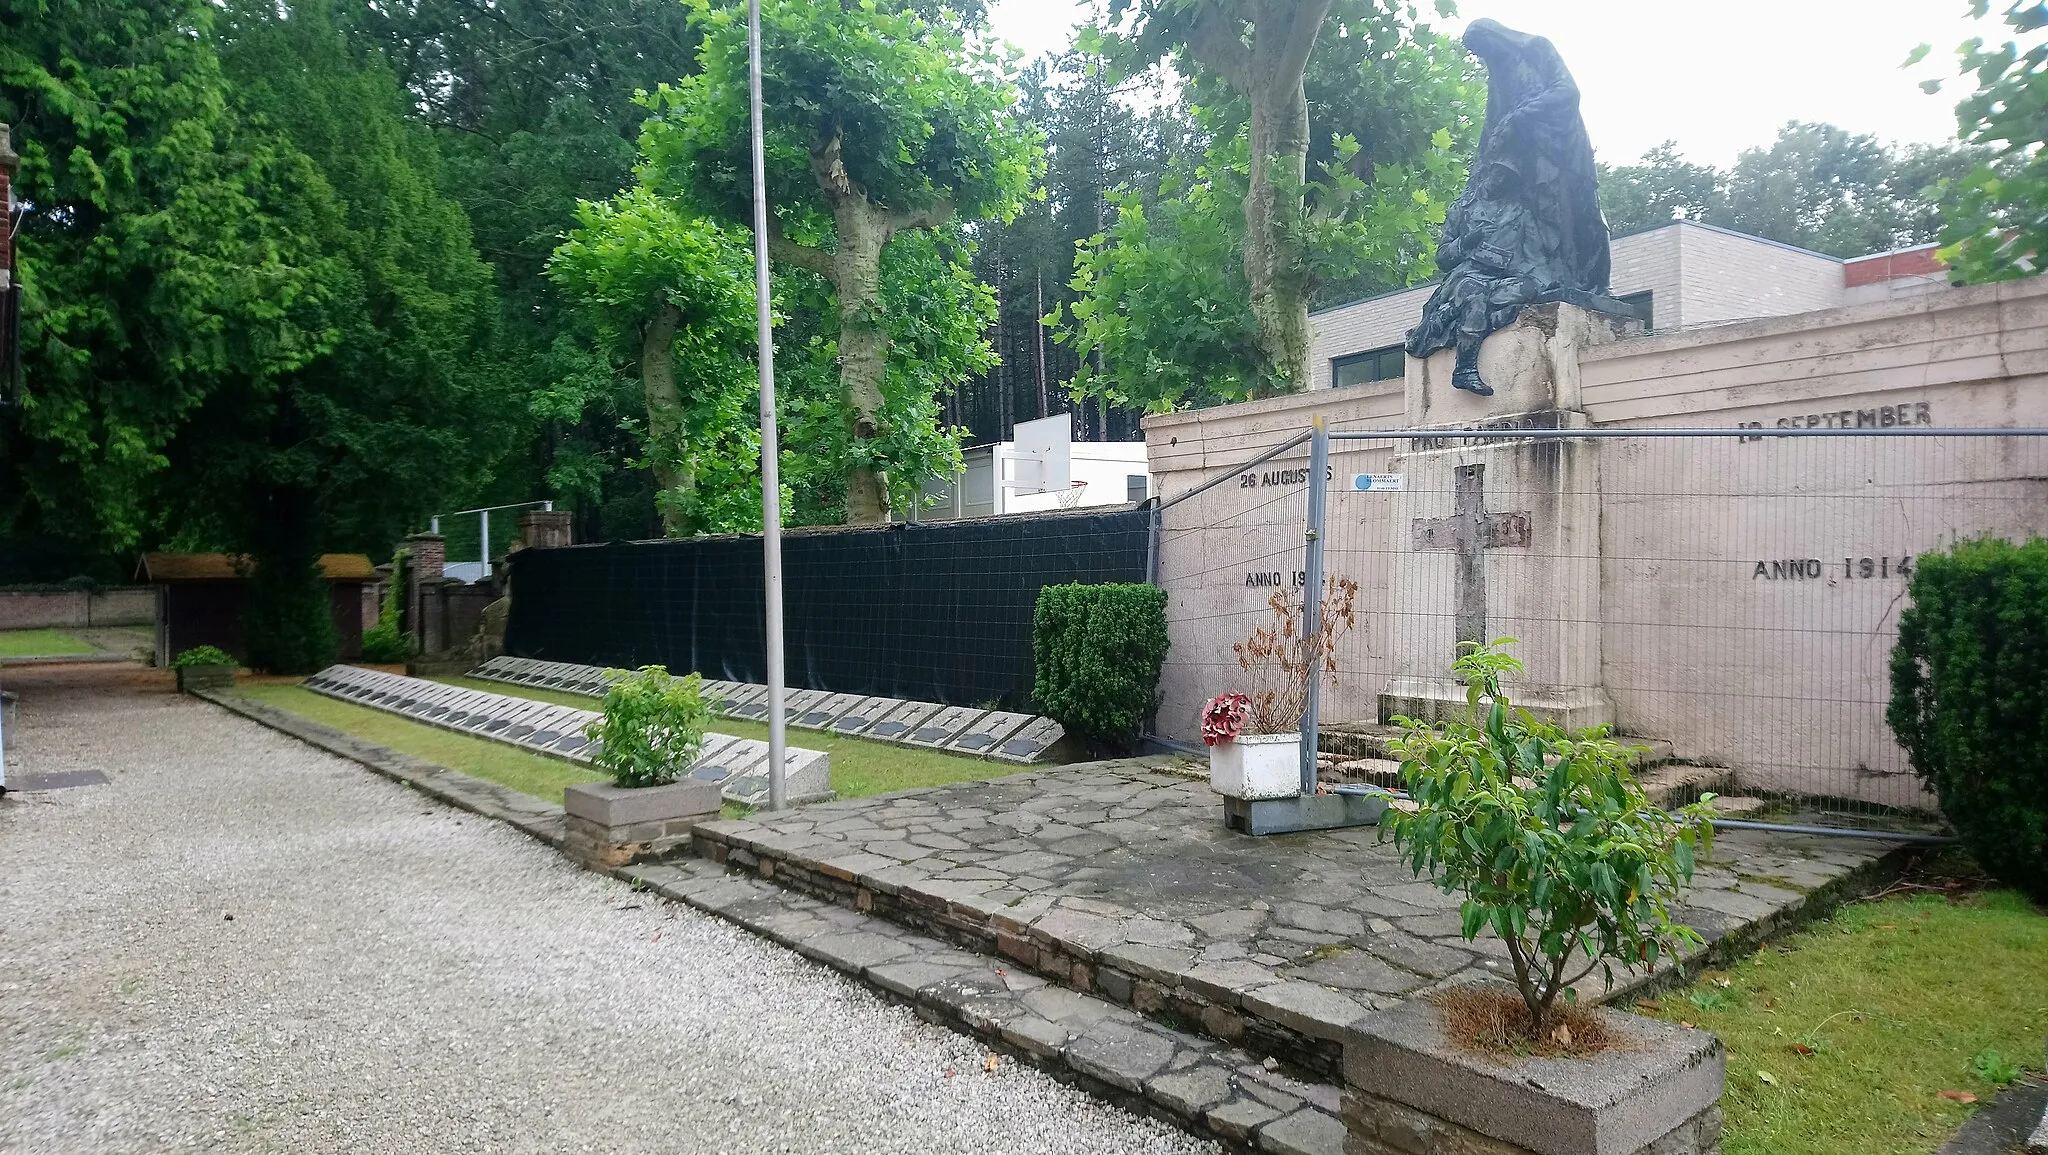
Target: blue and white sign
(1378, 482)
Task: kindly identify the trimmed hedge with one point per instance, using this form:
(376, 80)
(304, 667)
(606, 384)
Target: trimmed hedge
(1098, 650)
(1970, 704)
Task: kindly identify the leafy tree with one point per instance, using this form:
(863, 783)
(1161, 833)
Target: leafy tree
(1658, 189)
(163, 256)
(655, 281)
(1162, 293)
(1260, 48)
(1998, 211)
(405, 408)
(532, 103)
(1816, 186)
(880, 122)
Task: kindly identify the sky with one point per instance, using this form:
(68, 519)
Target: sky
(1717, 77)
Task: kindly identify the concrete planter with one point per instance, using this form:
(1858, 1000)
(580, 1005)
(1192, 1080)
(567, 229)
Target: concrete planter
(1408, 1091)
(613, 825)
(192, 678)
(1255, 766)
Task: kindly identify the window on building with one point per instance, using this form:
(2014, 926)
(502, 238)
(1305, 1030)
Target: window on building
(1644, 307)
(1388, 364)
(1135, 487)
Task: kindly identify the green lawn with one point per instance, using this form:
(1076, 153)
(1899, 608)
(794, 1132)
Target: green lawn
(40, 643)
(1842, 1038)
(527, 773)
(859, 767)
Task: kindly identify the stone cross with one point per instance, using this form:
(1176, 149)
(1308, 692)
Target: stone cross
(1469, 532)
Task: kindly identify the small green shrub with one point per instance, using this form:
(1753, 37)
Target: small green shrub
(385, 642)
(202, 656)
(653, 726)
(1547, 835)
(1098, 650)
(1970, 700)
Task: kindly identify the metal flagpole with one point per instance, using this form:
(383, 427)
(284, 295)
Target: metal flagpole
(771, 483)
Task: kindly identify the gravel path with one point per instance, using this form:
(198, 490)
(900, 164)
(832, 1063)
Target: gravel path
(241, 944)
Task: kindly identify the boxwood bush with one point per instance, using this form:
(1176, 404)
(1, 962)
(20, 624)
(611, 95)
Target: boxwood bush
(1097, 651)
(1969, 702)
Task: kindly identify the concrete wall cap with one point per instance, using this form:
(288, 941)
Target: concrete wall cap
(609, 805)
(1616, 1103)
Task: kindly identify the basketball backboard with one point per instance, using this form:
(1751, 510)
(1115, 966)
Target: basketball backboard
(1042, 460)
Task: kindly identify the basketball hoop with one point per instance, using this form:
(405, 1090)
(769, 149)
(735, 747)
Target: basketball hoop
(1072, 496)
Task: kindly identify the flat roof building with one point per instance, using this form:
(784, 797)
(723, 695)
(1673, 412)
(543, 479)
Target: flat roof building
(1681, 275)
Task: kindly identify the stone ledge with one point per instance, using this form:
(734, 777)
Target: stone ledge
(1655, 1080)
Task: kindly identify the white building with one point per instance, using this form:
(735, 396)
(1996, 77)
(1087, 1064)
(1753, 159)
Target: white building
(1004, 478)
(1686, 274)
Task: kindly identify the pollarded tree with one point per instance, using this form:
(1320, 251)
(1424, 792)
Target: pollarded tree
(879, 121)
(652, 279)
(1261, 49)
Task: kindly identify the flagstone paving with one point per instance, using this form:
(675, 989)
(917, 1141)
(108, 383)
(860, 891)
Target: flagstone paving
(1119, 879)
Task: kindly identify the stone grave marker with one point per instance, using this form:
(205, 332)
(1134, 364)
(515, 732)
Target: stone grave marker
(900, 723)
(1030, 743)
(796, 702)
(862, 715)
(806, 777)
(944, 726)
(826, 710)
(742, 693)
(989, 732)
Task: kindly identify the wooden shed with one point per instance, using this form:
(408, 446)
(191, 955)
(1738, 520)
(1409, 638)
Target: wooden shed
(200, 596)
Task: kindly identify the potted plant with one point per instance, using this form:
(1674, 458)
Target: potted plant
(649, 734)
(1552, 845)
(204, 668)
(1254, 736)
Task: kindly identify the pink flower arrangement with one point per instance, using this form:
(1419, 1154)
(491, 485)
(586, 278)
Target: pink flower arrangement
(1224, 717)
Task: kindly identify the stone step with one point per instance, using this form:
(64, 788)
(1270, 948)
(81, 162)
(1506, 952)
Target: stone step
(1377, 740)
(1206, 1086)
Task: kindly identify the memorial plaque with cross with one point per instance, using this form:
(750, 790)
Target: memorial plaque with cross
(1469, 532)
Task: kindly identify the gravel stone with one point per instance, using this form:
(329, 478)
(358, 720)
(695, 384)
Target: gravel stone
(399, 976)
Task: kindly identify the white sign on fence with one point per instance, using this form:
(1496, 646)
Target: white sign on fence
(1378, 482)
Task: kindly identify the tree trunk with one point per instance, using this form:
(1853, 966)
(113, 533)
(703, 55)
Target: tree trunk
(1273, 264)
(863, 347)
(666, 428)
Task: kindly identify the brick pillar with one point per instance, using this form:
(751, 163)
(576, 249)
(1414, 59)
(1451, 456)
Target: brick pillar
(546, 528)
(425, 566)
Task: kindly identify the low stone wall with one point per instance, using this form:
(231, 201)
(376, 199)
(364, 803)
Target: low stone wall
(77, 609)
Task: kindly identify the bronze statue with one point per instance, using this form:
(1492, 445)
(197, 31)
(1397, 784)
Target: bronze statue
(1528, 227)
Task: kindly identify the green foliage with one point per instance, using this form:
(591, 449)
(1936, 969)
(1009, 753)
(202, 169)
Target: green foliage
(881, 122)
(1547, 836)
(1816, 186)
(1162, 292)
(1098, 650)
(288, 621)
(653, 726)
(639, 265)
(914, 109)
(1989, 1066)
(164, 257)
(202, 656)
(1998, 213)
(1969, 703)
(387, 641)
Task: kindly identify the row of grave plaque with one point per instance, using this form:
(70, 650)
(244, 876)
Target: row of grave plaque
(738, 765)
(997, 734)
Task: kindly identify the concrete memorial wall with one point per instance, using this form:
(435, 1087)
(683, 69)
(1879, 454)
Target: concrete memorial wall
(1737, 595)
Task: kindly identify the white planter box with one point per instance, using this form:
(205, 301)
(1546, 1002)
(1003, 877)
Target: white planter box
(1256, 766)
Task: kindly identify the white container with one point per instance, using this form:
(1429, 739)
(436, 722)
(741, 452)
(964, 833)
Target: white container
(1256, 766)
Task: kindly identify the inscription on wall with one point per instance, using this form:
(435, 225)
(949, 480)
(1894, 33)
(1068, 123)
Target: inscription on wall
(1880, 417)
(1814, 569)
